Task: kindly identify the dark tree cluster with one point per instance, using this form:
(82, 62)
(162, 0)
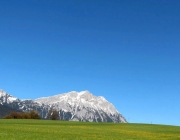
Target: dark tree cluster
(53, 114)
(23, 115)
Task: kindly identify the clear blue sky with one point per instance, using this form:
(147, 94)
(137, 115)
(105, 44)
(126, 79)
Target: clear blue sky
(125, 50)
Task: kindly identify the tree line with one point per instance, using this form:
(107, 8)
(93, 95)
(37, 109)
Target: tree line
(52, 115)
(23, 115)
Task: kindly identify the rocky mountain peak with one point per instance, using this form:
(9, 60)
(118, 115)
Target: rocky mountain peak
(2, 93)
(85, 95)
(75, 106)
(6, 98)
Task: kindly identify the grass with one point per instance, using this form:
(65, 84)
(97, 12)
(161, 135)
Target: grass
(64, 130)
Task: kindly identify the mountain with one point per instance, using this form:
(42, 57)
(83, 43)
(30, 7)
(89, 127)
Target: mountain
(74, 106)
(6, 99)
(4, 110)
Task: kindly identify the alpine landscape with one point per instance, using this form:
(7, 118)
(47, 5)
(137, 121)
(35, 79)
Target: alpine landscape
(74, 106)
(89, 69)
(81, 115)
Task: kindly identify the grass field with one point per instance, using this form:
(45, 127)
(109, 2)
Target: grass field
(59, 130)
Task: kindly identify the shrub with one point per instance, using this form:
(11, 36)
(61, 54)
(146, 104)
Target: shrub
(20, 115)
(7, 117)
(34, 114)
(53, 114)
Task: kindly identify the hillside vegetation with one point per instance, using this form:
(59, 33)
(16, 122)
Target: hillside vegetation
(23, 115)
(56, 130)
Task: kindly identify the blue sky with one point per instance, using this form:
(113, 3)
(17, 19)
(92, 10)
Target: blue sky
(127, 51)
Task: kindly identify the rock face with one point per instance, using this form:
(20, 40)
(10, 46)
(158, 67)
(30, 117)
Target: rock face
(6, 103)
(75, 106)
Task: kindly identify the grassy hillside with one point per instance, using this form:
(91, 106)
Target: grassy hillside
(56, 130)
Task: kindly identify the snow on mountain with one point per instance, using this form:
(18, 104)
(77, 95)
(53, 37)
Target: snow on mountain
(6, 98)
(75, 106)
(83, 106)
(83, 98)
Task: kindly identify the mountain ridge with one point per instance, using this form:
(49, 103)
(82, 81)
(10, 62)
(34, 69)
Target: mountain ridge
(75, 106)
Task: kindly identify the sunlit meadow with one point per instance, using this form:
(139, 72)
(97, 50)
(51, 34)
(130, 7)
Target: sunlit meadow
(56, 130)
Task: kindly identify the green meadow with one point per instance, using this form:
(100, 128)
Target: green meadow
(67, 130)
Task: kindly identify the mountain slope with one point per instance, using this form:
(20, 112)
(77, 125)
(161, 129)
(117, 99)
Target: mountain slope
(5, 110)
(83, 106)
(75, 106)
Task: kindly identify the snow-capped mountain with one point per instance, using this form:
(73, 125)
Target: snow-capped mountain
(75, 106)
(6, 98)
